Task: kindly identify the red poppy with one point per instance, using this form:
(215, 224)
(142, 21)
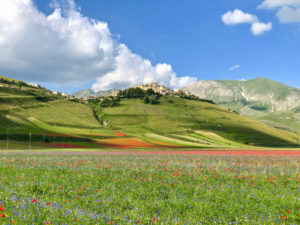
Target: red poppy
(34, 200)
(1, 209)
(2, 215)
(154, 219)
(111, 222)
(74, 219)
(284, 218)
(47, 222)
(48, 203)
(288, 211)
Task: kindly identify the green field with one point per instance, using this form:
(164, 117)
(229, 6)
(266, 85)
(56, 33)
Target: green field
(95, 188)
(35, 118)
(193, 121)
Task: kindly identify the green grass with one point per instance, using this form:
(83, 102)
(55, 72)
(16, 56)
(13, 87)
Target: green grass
(124, 189)
(26, 111)
(174, 121)
(264, 96)
(44, 115)
(186, 117)
(284, 120)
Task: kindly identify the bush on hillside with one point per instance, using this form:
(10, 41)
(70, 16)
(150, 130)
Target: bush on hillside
(153, 101)
(146, 100)
(109, 102)
(5, 81)
(194, 97)
(148, 96)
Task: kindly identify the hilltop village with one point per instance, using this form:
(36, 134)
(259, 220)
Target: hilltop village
(157, 88)
(152, 90)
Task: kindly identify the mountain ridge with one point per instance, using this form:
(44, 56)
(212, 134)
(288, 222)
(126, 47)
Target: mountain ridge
(85, 93)
(254, 98)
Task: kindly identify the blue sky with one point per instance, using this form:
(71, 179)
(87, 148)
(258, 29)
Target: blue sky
(191, 36)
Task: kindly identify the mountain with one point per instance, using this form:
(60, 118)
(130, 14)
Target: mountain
(85, 93)
(35, 118)
(264, 99)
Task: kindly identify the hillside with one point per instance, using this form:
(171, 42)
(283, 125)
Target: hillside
(259, 98)
(35, 118)
(192, 121)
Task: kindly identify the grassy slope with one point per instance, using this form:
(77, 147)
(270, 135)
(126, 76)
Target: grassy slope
(260, 86)
(284, 120)
(182, 122)
(185, 117)
(36, 111)
(288, 120)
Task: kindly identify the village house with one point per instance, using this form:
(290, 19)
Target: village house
(162, 89)
(37, 85)
(156, 87)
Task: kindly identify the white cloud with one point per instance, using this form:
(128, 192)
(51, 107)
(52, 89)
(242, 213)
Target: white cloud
(239, 17)
(235, 67)
(288, 15)
(129, 69)
(260, 28)
(279, 3)
(288, 10)
(66, 47)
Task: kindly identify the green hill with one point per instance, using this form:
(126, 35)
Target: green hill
(259, 98)
(195, 122)
(35, 118)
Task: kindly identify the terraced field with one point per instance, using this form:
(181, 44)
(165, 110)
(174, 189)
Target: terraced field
(35, 118)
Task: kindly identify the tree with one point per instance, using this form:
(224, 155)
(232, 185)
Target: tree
(21, 84)
(146, 100)
(150, 92)
(153, 101)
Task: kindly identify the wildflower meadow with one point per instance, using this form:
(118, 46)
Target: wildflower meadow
(149, 188)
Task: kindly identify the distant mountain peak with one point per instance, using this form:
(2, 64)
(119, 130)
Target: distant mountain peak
(255, 97)
(85, 93)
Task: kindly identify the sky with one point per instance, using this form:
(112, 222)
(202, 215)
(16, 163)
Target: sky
(69, 45)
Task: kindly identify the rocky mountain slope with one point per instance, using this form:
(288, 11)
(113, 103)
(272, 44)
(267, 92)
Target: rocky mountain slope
(85, 93)
(260, 98)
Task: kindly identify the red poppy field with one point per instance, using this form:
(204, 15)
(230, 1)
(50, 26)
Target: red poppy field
(150, 187)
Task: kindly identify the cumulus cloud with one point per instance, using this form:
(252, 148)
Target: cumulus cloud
(279, 3)
(235, 67)
(67, 47)
(288, 11)
(288, 15)
(129, 68)
(239, 17)
(260, 28)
